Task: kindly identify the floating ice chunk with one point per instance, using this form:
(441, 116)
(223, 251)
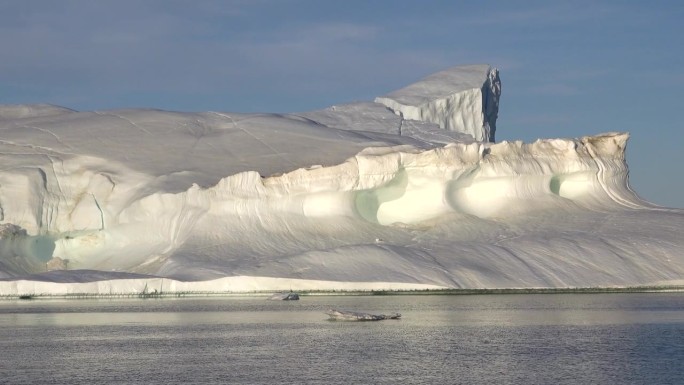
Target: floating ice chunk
(285, 297)
(345, 315)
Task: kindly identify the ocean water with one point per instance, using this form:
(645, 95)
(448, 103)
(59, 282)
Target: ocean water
(449, 339)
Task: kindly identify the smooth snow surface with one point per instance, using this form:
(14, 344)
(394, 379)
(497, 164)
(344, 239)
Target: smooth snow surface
(353, 197)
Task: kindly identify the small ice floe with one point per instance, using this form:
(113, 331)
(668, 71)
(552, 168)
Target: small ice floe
(285, 296)
(344, 315)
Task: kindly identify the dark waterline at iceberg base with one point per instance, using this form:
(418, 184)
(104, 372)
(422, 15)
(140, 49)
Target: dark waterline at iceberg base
(477, 339)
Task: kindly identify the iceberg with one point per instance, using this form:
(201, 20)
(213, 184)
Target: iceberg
(408, 192)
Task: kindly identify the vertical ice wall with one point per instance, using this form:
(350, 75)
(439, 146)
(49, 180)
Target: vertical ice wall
(463, 99)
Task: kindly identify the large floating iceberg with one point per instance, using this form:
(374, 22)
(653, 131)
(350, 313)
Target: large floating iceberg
(408, 192)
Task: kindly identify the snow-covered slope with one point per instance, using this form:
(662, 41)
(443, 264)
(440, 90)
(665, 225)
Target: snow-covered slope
(352, 197)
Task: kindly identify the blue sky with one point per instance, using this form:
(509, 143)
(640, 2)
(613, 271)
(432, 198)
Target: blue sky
(568, 68)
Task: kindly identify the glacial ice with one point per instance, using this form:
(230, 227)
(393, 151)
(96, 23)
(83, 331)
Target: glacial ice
(463, 99)
(409, 192)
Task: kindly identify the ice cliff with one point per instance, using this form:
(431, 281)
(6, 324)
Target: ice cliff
(463, 99)
(406, 192)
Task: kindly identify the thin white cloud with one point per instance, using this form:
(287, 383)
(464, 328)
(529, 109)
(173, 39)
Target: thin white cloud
(540, 118)
(548, 13)
(555, 89)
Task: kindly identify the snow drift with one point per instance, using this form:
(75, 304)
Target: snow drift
(408, 192)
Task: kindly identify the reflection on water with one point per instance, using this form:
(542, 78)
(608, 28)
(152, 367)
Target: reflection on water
(526, 339)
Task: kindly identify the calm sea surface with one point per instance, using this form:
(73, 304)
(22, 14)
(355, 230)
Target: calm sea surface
(456, 339)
